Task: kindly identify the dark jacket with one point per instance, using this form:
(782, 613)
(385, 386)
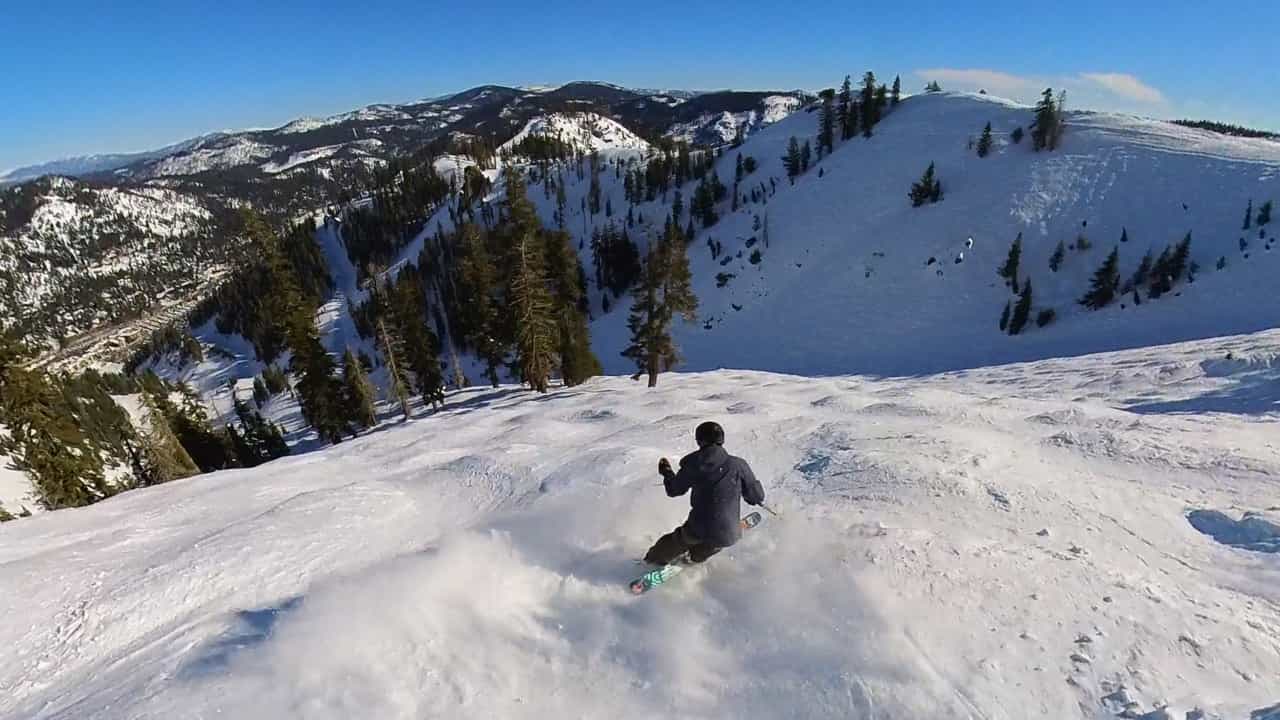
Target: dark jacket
(718, 480)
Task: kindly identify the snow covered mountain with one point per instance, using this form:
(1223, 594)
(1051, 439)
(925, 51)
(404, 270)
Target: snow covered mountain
(90, 164)
(74, 257)
(725, 127)
(1045, 540)
(1098, 530)
(287, 172)
(838, 273)
(401, 129)
(585, 132)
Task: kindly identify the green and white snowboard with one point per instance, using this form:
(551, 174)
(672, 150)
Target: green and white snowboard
(654, 578)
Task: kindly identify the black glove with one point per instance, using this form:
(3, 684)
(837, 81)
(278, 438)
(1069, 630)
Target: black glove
(664, 467)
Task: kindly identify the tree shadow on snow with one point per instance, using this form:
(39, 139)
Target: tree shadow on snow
(1251, 532)
(1257, 396)
(252, 628)
(501, 397)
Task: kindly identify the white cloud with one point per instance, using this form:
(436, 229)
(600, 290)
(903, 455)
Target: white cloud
(993, 81)
(1126, 86)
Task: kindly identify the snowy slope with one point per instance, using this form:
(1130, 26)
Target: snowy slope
(845, 284)
(1000, 543)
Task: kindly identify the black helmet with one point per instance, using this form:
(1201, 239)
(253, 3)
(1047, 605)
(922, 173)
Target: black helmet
(709, 433)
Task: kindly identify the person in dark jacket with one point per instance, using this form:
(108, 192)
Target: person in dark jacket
(719, 482)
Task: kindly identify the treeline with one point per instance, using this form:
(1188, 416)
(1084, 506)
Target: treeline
(842, 114)
(1227, 129)
(1152, 278)
(77, 444)
(517, 295)
(251, 303)
(672, 164)
(405, 194)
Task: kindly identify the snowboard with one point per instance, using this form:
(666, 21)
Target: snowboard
(654, 578)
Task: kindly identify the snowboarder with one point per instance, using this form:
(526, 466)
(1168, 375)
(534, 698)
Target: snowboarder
(719, 481)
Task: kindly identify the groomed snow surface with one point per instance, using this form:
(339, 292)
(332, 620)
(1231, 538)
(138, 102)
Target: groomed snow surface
(1006, 542)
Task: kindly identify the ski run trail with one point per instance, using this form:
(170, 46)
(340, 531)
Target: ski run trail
(1013, 541)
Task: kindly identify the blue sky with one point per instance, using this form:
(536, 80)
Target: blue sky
(90, 77)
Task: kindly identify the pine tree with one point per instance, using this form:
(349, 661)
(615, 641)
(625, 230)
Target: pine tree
(1248, 216)
(260, 393)
(319, 391)
(561, 201)
(870, 110)
(1161, 279)
(593, 191)
(805, 155)
(1009, 270)
(1055, 260)
(1004, 316)
(210, 449)
(245, 455)
(1179, 259)
(1016, 135)
(161, 457)
(895, 94)
(358, 392)
(1144, 269)
(409, 314)
(530, 302)
(844, 109)
(928, 189)
(1124, 235)
(984, 143)
(826, 121)
(480, 321)
(933, 86)
(792, 159)
(1264, 214)
(1021, 311)
(391, 350)
(275, 380)
(664, 293)
(1059, 121)
(1106, 280)
(1045, 130)
(573, 340)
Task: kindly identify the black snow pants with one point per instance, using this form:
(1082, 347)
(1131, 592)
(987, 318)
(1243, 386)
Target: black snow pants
(673, 545)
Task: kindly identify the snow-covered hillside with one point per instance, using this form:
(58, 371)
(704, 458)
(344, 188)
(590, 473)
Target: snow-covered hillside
(74, 256)
(587, 132)
(852, 278)
(998, 543)
(722, 128)
(225, 154)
